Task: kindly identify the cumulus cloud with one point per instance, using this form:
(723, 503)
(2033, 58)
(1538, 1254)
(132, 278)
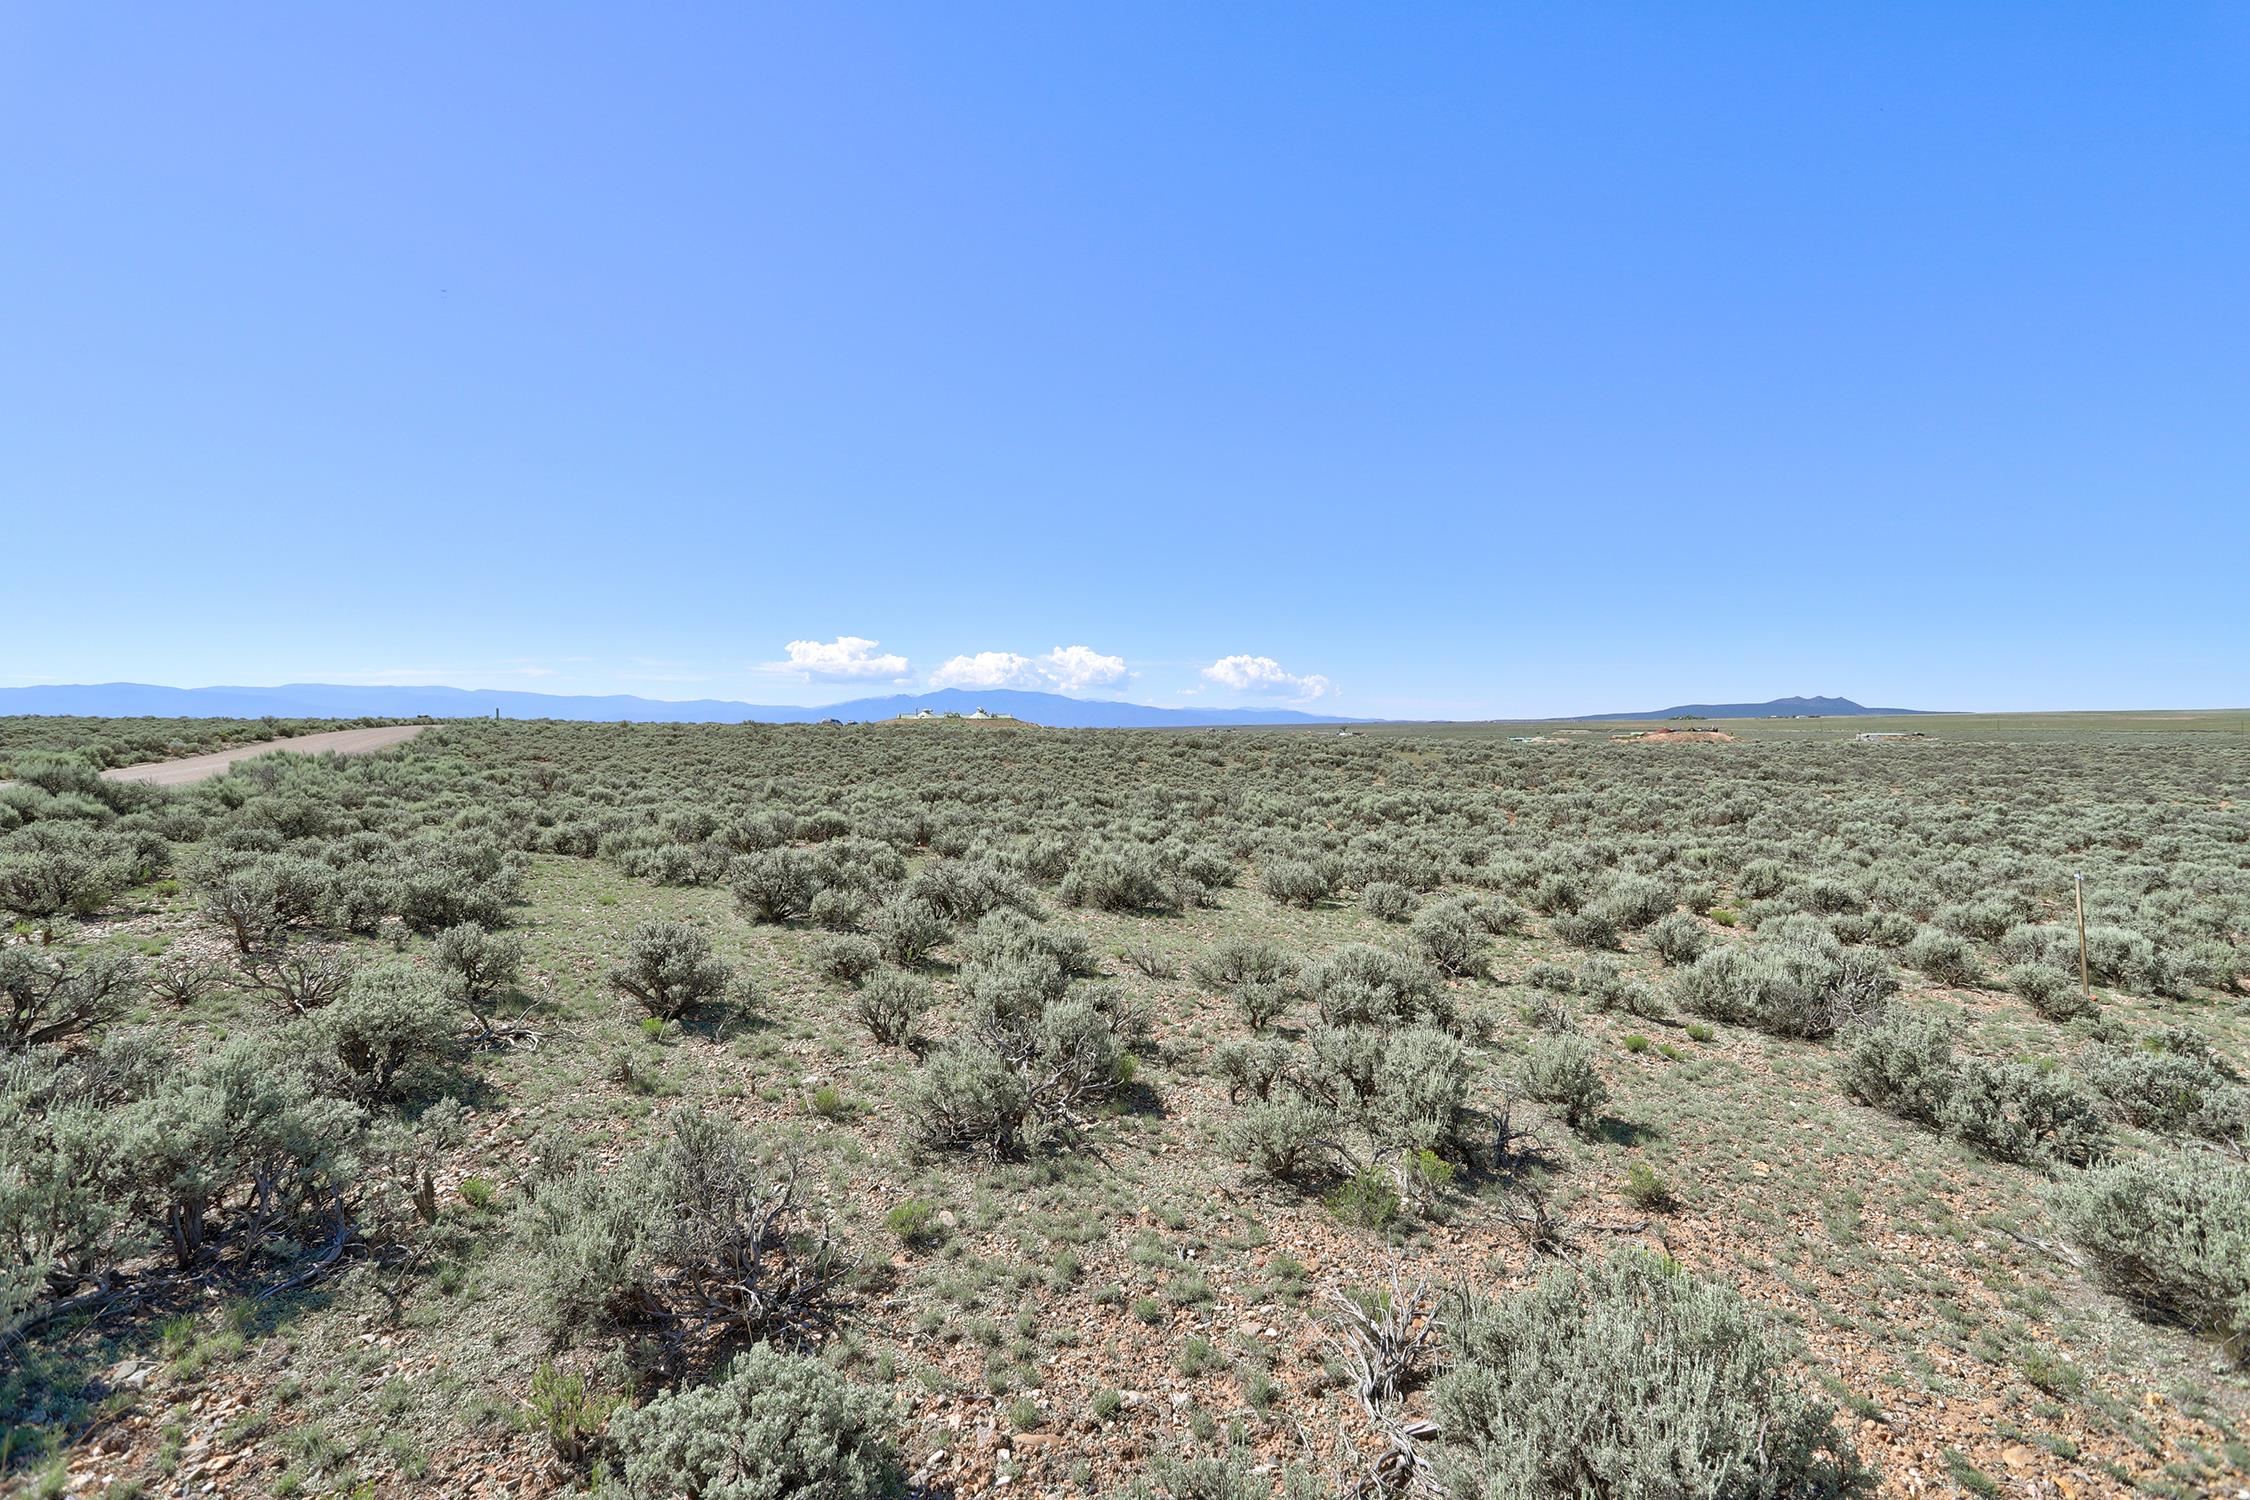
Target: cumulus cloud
(848, 658)
(1073, 667)
(1265, 677)
(1066, 668)
(986, 669)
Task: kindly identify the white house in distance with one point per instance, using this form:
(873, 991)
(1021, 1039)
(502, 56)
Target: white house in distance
(925, 713)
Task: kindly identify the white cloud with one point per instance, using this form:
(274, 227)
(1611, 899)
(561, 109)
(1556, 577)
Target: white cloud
(987, 669)
(848, 658)
(1069, 669)
(1072, 668)
(1264, 676)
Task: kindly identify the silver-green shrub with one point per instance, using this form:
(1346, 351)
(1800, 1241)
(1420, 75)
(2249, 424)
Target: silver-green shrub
(774, 1426)
(1630, 1378)
(2171, 1235)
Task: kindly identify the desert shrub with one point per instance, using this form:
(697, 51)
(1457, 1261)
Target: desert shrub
(2051, 992)
(1761, 878)
(2018, 1113)
(1633, 902)
(1546, 974)
(1903, 1064)
(669, 970)
(49, 996)
(1497, 917)
(361, 899)
(1295, 882)
(1890, 929)
(1347, 1061)
(1283, 1140)
(443, 881)
(846, 958)
(1367, 1199)
(963, 890)
(1421, 1087)
(1560, 1072)
(1262, 1003)
(914, 1221)
(891, 1004)
(1943, 957)
(1234, 962)
(839, 908)
(1149, 961)
(1601, 982)
(181, 982)
(1386, 901)
(2046, 945)
(1678, 938)
(2171, 1235)
(56, 869)
(1545, 1010)
(1448, 939)
(478, 965)
(243, 1146)
(1363, 985)
(2119, 955)
(1250, 1069)
(773, 884)
(296, 980)
(263, 900)
(2173, 1091)
(2212, 962)
(1630, 1377)
(1031, 1058)
(1830, 897)
(1589, 927)
(1644, 1188)
(1008, 936)
(1610, 988)
(702, 1229)
(969, 1098)
(391, 1020)
(573, 1416)
(1557, 892)
(1787, 988)
(1119, 877)
(773, 1425)
(1016, 987)
(907, 930)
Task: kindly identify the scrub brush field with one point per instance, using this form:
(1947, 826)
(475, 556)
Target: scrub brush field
(949, 1110)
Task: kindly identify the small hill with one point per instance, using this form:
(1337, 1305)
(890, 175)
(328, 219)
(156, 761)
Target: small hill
(319, 700)
(1778, 708)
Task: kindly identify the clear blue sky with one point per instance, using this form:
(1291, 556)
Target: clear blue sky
(1472, 359)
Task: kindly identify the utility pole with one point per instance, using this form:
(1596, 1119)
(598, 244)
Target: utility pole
(2078, 888)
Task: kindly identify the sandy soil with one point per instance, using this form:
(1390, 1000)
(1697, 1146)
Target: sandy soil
(199, 767)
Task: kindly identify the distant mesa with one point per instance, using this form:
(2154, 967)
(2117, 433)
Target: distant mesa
(319, 700)
(1778, 708)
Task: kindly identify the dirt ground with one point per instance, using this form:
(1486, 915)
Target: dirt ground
(202, 767)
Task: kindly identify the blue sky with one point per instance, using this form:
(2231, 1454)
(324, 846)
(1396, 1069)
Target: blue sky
(1447, 360)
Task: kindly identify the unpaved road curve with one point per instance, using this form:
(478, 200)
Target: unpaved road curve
(199, 767)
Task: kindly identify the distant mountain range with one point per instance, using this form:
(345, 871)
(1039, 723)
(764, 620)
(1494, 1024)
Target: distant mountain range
(1778, 708)
(322, 700)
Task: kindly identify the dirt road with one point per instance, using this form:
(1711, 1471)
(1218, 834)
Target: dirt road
(198, 767)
